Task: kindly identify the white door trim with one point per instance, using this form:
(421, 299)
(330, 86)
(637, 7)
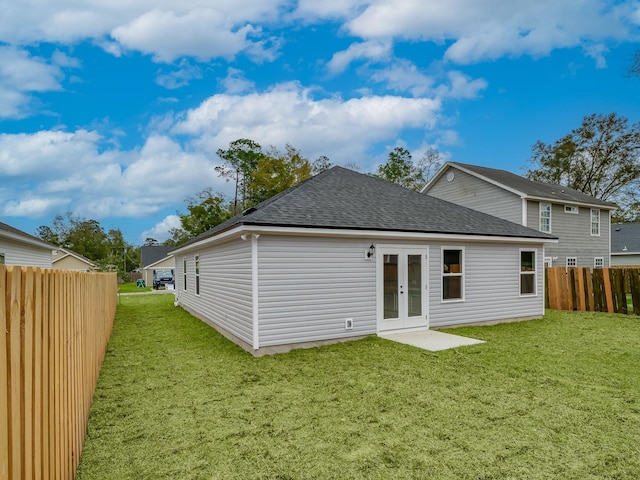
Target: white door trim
(403, 322)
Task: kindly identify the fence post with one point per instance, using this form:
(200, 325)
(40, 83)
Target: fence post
(4, 405)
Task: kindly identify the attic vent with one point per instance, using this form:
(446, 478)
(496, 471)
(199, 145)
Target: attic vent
(248, 211)
(618, 229)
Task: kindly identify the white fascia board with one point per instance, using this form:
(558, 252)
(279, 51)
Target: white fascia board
(560, 201)
(348, 233)
(30, 241)
(158, 261)
(435, 178)
(489, 180)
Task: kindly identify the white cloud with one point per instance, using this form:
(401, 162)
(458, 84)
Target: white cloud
(49, 170)
(160, 231)
(235, 82)
(490, 29)
(344, 130)
(22, 75)
(180, 77)
(462, 86)
(404, 76)
(374, 50)
(34, 206)
(203, 33)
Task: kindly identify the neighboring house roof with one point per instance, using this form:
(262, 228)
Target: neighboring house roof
(339, 198)
(625, 238)
(71, 253)
(10, 232)
(150, 254)
(151, 265)
(524, 187)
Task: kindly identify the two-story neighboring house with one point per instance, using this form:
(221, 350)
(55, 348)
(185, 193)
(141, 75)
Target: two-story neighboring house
(20, 248)
(581, 222)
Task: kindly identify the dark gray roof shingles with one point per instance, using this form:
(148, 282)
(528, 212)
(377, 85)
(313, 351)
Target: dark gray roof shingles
(625, 238)
(343, 199)
(533, 188)
(150, 254)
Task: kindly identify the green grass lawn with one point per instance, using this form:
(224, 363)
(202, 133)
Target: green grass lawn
(554, 398)
(131, 287)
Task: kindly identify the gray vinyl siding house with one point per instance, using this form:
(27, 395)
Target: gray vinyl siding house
(569, 213)
(344, 255)
(20, 248)
(625, 244)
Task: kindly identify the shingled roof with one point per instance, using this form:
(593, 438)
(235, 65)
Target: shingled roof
(11, 232)
(625, 238)
(530, 188)
(339, 198)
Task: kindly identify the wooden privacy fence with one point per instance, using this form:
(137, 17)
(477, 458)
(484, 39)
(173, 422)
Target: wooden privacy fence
(54, 329)
(613, 290)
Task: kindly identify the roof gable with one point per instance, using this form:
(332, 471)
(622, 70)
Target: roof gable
(8, 231)
(71, 253)
(339, 198)
(525, 187)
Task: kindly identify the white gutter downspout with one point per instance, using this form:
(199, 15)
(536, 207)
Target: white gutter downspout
(524, 212)
(254, 288)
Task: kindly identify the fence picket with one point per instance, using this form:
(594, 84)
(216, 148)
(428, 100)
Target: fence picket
(600, 290)
(54, 329)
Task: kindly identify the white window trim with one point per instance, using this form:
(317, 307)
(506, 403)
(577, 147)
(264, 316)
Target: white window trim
(534, 273)
(575, 259)
(548, 260)
(591, 222)
(184, 274)
(595, 262)
(571, 209)
(540, 209)
(196, 271)
(461, 275)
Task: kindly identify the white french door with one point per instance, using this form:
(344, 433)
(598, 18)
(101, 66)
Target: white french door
(402, 288)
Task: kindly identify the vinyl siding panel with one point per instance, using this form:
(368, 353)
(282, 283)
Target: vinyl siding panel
(225, 287)
(574, 234)
(309, 286)
(627, 259)
(491, 285)
(18, 253)
(72, 263)
(471, 192)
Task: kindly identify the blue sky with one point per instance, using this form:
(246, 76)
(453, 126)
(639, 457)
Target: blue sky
(114, 110)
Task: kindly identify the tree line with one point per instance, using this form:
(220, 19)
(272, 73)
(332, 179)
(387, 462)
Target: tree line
(601, 157)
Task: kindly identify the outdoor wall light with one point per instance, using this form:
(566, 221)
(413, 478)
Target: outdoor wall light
(372, 251)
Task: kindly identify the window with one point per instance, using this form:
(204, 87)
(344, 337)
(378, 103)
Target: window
(527, 272)
(572, 262)
(545, 217)
(595, 222)
(571, 209)
(452, 274)
(197, 274)
(598, 262)
(184, 274)
(1, 258)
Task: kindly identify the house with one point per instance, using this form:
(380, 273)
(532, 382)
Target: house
(20, 248)
(344, 255)
(63, 259)
(625, 244)
(580, 221)
(155, 257)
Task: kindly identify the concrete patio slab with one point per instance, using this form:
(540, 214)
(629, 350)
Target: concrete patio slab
(430, 340)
